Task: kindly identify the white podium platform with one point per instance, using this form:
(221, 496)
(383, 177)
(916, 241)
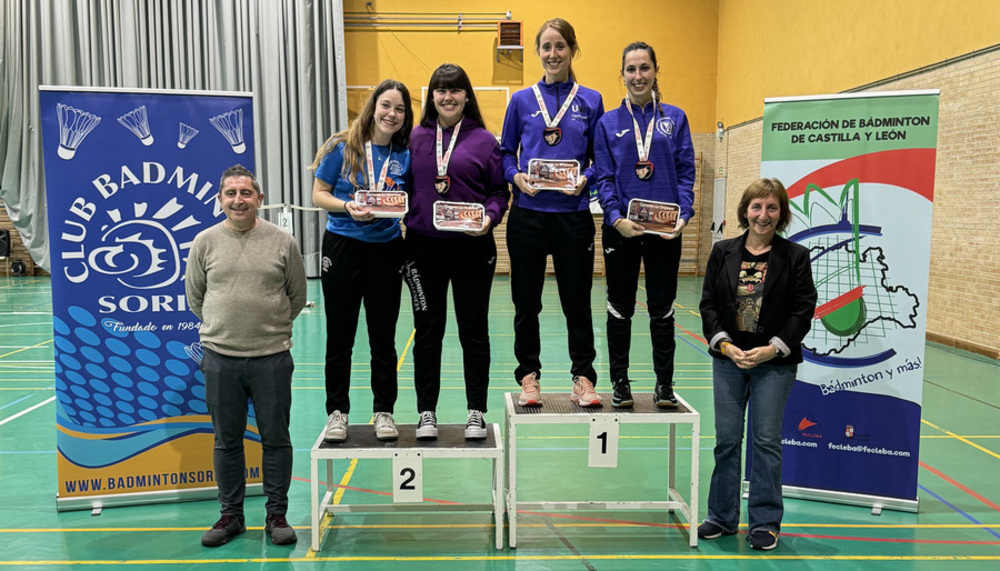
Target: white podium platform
(407, 454)
(604, 422)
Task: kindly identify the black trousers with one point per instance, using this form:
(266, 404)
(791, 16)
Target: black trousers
(267, 382)
(660, 258)
(468, 264)
(569, 238)
(356, 272)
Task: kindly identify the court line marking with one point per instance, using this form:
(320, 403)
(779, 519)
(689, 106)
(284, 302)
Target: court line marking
(27, 410)
(957, 510)
(612, 523)
(960, 438)
(518, 557)
(959, 485)
(36, 346)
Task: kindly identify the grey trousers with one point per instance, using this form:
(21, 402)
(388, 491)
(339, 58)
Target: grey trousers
(267, 382)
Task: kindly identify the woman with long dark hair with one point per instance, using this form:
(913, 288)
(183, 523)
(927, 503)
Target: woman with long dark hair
(643, 151)
(454, 159)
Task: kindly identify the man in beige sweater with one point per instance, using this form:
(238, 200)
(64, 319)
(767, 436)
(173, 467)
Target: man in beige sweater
(246, 282)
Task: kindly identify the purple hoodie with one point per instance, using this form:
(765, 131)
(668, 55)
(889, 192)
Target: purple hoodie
(474, 170)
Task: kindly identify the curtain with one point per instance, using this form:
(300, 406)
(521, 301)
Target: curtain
(289, 53)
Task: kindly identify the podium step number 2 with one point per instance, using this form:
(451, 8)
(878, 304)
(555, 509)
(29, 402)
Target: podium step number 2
(407, 477)
(603, 448)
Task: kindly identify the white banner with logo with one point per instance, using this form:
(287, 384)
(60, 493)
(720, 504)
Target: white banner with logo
(859, 170)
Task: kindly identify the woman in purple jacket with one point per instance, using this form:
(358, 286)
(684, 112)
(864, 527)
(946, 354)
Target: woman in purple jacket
(455, 159)
(643, 150)
(554, 119)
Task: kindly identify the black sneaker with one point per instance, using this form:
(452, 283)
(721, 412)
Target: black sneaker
(475, 428)
(277, 527)
(225, 529)
(763, 539)
(427, 427)
(622, 395)
(711, 530)
(663, 396)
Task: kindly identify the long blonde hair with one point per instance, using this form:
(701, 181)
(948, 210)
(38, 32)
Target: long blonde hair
(362, 129)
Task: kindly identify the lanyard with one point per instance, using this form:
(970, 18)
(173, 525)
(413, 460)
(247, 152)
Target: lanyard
(549, 122)
(443, 160)
(380, 182)
(640, 146)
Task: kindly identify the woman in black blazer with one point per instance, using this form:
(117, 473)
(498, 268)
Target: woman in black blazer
(757, 305)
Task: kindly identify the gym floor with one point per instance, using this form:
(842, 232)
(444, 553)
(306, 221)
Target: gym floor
(957, 526)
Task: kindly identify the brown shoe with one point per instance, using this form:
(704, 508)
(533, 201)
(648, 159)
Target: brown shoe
(583, 392)
(531, 391)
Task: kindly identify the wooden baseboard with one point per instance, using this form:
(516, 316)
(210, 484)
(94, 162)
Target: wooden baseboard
(991, 352)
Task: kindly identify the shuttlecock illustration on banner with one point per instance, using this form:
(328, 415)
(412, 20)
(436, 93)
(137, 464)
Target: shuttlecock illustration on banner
(230, 124)
(74, 125)
(187, 133)
(137, 122)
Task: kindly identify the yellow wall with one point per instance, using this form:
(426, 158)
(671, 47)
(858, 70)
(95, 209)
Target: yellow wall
(773, 48)
(682, 32)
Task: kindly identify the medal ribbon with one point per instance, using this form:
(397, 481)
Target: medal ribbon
(380, 183)
(442, 161)
(640, 146)
(549, 122)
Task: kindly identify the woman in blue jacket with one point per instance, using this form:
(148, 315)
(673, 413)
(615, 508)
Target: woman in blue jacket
(362, 255)
(643, 150)
(554, 119)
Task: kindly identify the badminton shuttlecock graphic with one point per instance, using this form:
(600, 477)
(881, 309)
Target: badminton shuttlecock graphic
(230, 124)
(187, 133)
(137, 122)
(74, 125)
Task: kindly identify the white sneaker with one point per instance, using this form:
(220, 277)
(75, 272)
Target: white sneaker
(475, 428)
(336, 427)
(427, 428)
(385, 426)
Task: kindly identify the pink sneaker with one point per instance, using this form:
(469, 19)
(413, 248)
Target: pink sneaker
(531, 391)
(583, 392)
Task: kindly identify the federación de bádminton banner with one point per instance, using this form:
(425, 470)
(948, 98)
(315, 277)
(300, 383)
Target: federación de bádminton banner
(860, 173)
(131, 178)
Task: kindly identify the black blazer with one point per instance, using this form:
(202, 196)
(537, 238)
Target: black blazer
(788, 304)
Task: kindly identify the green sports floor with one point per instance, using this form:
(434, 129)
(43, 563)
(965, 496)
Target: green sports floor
(957, 526)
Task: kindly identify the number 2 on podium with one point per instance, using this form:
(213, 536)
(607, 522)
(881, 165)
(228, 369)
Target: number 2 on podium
(407, 477)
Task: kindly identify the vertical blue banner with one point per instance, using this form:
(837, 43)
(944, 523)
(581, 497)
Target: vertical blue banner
(859, 170)
(131, 178)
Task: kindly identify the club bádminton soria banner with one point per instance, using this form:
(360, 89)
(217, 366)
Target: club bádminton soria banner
(131, 178)
(859, 170)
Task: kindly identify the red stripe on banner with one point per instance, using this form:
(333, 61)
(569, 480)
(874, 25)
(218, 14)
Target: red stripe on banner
(912, 169)
(965, 489)
(838, 302)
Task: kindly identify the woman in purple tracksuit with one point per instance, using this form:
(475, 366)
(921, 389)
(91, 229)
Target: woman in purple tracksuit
(554, 119)
(455, 159)
(643, 150)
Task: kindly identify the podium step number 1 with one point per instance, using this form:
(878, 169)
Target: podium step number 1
(603, 442)
(407, 477)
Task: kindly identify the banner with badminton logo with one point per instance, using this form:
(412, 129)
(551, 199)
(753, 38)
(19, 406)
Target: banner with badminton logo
(859, 170)
(131, 178)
